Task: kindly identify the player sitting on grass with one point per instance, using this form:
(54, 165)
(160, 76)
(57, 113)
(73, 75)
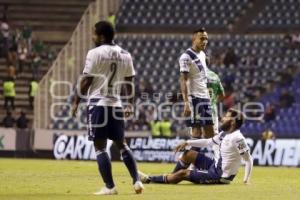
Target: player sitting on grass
(233, 147)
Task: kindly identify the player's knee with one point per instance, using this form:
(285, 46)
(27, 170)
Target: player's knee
(189, 156)
(184, 155)
(183, 173)
(100, 149)
(122, 146)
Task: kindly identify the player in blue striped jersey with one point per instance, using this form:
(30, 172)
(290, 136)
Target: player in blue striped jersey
(193, 82)
(106, 69)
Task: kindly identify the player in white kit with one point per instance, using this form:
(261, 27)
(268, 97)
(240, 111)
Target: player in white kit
(107, 67)
(233, 149)
(193, 83)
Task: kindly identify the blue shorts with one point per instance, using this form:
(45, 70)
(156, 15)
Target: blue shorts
(201, 112)
(212, 173)
(105, 123)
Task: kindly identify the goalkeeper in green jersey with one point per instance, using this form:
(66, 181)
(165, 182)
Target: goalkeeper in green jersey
(216, 92)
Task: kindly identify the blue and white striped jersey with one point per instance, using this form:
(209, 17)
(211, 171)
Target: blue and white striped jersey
(194, 64)
(109, 65)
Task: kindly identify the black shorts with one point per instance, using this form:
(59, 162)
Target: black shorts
(201, 112)
(105, 123)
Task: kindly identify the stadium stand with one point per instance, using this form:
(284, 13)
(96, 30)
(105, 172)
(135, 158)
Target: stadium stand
(178, 15)
(278, 15)
(287, 118)
(254, 74)
(156, 60)
(52, 23)
(68, 63)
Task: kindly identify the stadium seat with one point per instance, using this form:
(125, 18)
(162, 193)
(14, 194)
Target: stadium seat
(277, 15)
(178, 14)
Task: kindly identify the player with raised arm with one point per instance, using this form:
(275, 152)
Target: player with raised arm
(107, 66)
(193, 83)
(233, 149)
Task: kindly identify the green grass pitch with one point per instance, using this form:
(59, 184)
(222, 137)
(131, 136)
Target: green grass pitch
(59, 180)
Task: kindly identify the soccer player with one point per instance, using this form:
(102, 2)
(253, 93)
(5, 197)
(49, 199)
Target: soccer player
(233, 148)
(216, 93)
(106, 67)
(193, 83)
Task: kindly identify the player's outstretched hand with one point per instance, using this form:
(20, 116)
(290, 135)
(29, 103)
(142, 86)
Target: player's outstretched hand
(180, 147)
(187, 109)
(74, 109)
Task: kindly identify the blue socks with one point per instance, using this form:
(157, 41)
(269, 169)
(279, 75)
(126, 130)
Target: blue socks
(130, 163)
(104, 167)
(158, 179)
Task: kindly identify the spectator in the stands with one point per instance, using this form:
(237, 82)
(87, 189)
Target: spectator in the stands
(33, 88)
(166, 128)
(287, 40)
(129, 125)
(11, 71)
(249, 60)
(217, 58)
(39, 47)
(155, 128)
(269, 113)
(230, 57)
(112, 18)
(286, 77)
(267, 135)
(257, 93)
(27, 36)
(144, 90)
(9, 93)
(12, 56)
(174, 97)
(151, 114)
(229, 98)
(296, 40)
(8, 121)
(36, 65)
(228, 78)
(50, 54)
(22, 56)
(286, 99)
(270, 85)
(22, 121)
(4, 38)
(141, 118)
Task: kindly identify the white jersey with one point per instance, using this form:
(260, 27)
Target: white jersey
(109, 65)
(197, 73)
(232, 146)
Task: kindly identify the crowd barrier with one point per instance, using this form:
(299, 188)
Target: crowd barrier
(75, 145)
(66, 144)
